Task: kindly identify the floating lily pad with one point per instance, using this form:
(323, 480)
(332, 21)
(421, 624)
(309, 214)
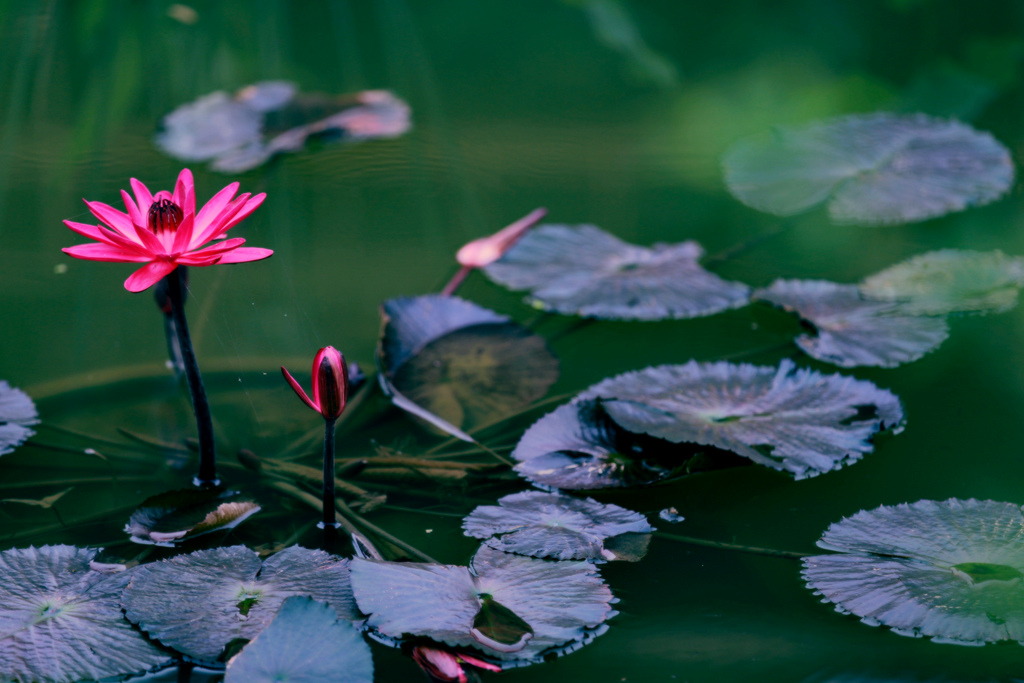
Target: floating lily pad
(460, 362)
(61, 621)
(176, 516)
(17, 413)
(511, 608)
(872, 169)
(552, 525)
(949, 569)
(579, 447)
(852, 330)
(200, 602)
(583, 270)
(243, 131)
(798, 421)
(951, 281)
(305, 643)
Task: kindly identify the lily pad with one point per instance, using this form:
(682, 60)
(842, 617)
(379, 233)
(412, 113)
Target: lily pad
(552, 525)
(951, 281)
(242, 131)
(305, 643)
(851, 329)
(951, 570)
(872, 169)
(583, 270)
(17, 414)
(167, 519)
(460, 362)
(511, 608)
(61, 621)
(795, 420)
(200, 602)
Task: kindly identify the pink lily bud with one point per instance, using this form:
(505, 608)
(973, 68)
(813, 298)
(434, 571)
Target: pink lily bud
(330, 383)
(444, 665)
(487, 250)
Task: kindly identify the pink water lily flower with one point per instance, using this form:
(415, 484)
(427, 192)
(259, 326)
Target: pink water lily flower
(444, 665)
(164, 231)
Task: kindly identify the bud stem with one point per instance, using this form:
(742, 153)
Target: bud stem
(200, 405)
(328, 497)
(456, 281)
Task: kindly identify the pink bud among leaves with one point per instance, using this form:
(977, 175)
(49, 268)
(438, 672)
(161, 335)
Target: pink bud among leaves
(444, 665)
(330, 383)
(487, 250)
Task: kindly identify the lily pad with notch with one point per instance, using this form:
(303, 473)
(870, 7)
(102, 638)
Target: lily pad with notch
(242, 131)
(17, 414)
(512, 608)
(577, 446)
(460, 365)
(950, 281)
(305, 643)
(61, 620)
(795, 420)
(952, 570)
(872, 169)
(583, 270)
(173, 517)
(849, 329)
(553, 525)
(200, 602)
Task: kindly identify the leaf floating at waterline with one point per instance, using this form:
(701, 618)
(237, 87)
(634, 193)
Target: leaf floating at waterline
(305, 643)
(460, 362)
(950, 281)
(200, 602)
(951, 570)
(583, 270)
(789, 419)
(512, 608)
(176, 516)
(61, 621)
(872, 169)
(552, 525)
(17, 414)
(852, 330)
(243, 131)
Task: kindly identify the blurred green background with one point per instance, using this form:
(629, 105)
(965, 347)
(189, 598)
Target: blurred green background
(608, 112)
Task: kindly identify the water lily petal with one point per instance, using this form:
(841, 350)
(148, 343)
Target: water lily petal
(148, 275)
(183, 235)
(212, 210)
(238, 216)
(143, 197)
(134, 214)
(297, 388)
(150, 242)
(117, 220)
(246, 254)
(101, 234)
(182, 188)
(214, 226)
(105, 252)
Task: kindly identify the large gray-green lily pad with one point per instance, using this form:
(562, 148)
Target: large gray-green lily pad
(305, 643)
(952, 570)
(950, 281)
(200, 602)
(796, 420)
(577, 446)
(460, 363)
(851, 329)
(510, 607)
(583, 270)
(173, 517)
(61, 621)
(553, 525)
(242, 131)
(17, 414)
(872, 169)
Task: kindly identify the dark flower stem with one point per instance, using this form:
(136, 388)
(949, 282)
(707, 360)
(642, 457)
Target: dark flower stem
(200, 404)
(328, 497)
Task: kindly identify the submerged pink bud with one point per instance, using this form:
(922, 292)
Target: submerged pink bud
(487, 250)
(330, 383)
(443, 665)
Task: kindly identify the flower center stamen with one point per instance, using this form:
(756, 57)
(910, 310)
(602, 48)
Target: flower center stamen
(164, 216)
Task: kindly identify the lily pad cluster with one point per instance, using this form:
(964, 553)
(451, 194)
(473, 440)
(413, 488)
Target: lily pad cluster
(897, 315)
(871, 169)
(795, 420)
(17, 415)
(242, 131)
